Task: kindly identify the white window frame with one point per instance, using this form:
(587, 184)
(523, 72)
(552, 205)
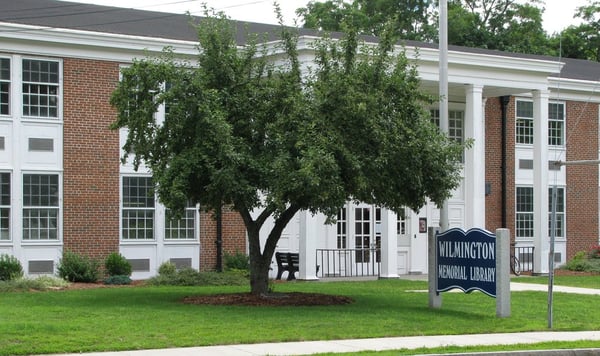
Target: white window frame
(342, 229)
(556, 125)
(560, 212)
(5, 207)
(181, 227)
(40, 208)
(48, 84)
(141, 210)
(524, 218)
(523, 124)
(6, 81)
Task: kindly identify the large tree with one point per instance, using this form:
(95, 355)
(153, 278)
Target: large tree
(246, 127)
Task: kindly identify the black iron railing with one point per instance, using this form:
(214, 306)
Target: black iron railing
(524, 254)
(348, 262)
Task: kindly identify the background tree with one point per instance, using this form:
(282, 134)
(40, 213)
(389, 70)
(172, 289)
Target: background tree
(269, 141)
(410, 19)
(505, 25)
(582, 41)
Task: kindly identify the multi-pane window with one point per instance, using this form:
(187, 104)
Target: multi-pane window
(560, 212)
(4, 206)
(138, 208)
(342, 226)
(455, 123)
(524, 212)
(556, 124)
(4, 86)
(40, 88)
(524, 122)
(401, 223)
(182, 227)
(40, 206)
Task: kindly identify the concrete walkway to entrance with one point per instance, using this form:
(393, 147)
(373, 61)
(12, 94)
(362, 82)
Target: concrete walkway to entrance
(390, 343)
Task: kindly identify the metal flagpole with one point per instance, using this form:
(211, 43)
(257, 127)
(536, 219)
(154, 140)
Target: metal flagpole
(553, 234)
(443, 80)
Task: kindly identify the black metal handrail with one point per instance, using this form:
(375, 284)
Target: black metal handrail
(525, 256)
(348, 262)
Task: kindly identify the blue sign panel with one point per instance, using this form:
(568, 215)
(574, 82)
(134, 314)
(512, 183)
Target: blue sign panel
(466, 261)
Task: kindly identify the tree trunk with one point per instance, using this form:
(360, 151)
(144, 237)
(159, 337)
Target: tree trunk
(259, 266)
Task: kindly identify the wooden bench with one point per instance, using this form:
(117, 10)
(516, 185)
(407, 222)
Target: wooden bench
(287, 261)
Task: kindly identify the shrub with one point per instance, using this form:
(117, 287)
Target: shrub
(117, 265)
(583, 262)
(595, 252)
(77, 268)
(10, 268)
(26, 284)
(118, 279)
(191, 277)
(167, 269)
(237, 261)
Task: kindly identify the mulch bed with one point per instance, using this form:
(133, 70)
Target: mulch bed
(274, 299)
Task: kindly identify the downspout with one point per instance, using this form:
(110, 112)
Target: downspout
(504, 100)
(219, 241)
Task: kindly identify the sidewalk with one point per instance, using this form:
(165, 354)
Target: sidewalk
(358, 345)
(391, 343)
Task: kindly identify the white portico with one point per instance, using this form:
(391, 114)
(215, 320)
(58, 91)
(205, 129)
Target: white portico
(366, 234)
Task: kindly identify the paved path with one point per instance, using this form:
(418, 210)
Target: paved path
(390, 343)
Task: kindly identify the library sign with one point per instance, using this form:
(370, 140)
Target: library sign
(467, 261)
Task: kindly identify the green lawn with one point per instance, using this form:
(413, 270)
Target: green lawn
(153, 317)
(584, 281)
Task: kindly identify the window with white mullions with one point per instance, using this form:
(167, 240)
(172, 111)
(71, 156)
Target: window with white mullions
(560, 212)
(342, 228)
(40, 88)
(40, 206)
(182, 227)
(4, 86)
(524, 122)
(524, 212)
(4, 206)
(455, 123)
(138, 208)
(556, 124)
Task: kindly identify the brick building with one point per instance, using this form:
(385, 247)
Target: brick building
(63, 186)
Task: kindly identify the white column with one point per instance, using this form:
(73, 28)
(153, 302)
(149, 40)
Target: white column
(540, 181)
(389, 244)
(474, 185)
(308, 246)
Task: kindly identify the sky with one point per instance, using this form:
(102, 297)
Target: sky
(557, 16)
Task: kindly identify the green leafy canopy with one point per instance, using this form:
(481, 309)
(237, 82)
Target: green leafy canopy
(262, 127)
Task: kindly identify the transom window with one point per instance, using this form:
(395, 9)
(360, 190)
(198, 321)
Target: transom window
(4, 86)
(182, 228)
(560, 212)
(40, 88)
(40, 206)
(138, 209)
(524, 212)
(4, 206)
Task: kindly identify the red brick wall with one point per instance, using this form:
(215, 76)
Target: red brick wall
(233, 234)
(91, 158)
(493, 163)
(582, 180)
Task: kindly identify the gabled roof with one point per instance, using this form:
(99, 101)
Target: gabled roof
(123, 21)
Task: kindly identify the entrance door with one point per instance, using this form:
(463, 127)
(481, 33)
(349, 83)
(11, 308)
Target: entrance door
(367, 239)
